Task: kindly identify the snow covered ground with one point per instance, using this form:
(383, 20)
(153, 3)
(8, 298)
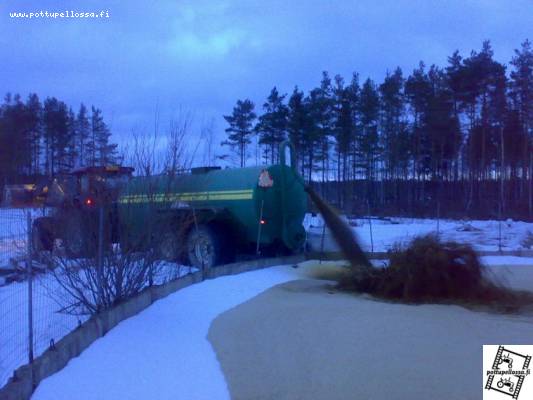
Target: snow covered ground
(49, 323)
(482, 235)
(13, 225)
(163, 353)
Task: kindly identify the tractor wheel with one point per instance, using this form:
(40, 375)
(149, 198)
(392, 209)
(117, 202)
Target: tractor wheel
(42, 234)
(168, 247)
(205, 247)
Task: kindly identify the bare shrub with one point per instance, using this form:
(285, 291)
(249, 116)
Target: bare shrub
(86, 287)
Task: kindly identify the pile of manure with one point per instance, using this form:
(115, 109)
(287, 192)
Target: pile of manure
(432, 271)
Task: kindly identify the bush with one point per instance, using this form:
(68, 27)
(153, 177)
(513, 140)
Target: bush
(429, 270)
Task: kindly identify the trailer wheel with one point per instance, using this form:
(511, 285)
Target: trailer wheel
(204, 247)
(42, 234)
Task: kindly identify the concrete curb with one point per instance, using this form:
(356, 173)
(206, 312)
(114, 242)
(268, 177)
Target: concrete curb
(26, 378)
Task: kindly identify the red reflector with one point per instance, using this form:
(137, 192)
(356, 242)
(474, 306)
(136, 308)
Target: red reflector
(262, 222)
(89, 202)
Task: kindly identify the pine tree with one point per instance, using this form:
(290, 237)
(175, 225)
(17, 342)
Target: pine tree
(297, 125)
(521, 93)
(272, 125)
(83, 132)
(72, 151)
(100, 150)
(392, 109)
(369, 147)
(240, 128)
(34, 120)
(56, 136)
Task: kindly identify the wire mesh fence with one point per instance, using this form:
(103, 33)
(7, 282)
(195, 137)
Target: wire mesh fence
(33, 316)
(14, 333)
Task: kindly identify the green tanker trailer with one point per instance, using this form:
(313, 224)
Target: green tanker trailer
(205, 217)
(211, 214)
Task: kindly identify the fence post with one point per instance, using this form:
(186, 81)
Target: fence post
(322, 240)
(438, 218)
(30, 285)
(100, 255)
(500, 227)
(370, 226)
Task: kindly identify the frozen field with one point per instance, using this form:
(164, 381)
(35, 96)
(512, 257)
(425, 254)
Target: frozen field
(164, 353)
(482, 235)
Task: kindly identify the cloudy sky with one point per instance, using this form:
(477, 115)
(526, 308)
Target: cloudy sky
(202, 56)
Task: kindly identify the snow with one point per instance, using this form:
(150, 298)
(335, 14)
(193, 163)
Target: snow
(482, 235)
(49, 323)
(12, 234)
(163, 353)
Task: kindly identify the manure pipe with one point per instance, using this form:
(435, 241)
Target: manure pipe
(342, 233)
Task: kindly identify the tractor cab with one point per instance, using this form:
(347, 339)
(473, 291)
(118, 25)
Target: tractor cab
(74, 198)
(99, 184)
(85, 187)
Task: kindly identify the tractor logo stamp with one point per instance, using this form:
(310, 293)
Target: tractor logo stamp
(506, 372)
(265, 180)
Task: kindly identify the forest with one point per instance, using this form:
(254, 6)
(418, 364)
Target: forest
(454, 141)
(39, 139)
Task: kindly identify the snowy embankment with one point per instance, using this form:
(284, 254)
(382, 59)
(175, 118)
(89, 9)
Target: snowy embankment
(163, 352)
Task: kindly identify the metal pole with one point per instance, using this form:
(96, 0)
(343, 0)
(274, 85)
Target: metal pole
(259, 227)
(322, 240)
(438, 218)
(500, 227)
(100, 255)
(370, 225)
(30, 287)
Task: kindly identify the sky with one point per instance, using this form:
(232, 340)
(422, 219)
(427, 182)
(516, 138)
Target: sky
(167, 58)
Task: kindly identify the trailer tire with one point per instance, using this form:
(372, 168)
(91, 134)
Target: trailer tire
(42, 234)
(206, 247)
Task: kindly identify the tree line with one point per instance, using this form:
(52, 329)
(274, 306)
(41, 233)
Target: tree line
(47, 138)
(457, 139)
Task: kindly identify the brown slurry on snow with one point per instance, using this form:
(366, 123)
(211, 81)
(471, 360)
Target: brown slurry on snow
(306, 340)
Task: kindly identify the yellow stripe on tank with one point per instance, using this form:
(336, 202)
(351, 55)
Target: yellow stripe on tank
(193, 196)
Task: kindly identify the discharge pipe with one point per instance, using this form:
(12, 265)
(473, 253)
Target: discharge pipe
(342, 232)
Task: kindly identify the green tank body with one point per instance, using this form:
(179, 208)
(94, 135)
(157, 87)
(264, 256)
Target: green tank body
(264, 205)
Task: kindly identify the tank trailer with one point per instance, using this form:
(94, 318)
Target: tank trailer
(205, 217)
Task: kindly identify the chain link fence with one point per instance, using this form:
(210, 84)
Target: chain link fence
(30, 320)
(33, 316)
